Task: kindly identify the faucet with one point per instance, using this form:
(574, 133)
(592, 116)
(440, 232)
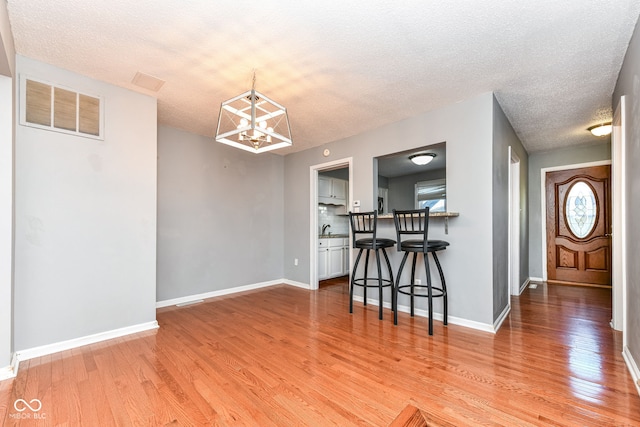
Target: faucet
(324, 228)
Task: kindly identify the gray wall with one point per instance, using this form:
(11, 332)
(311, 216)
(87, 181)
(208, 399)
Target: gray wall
(547, 159)
(7, 67)
(85, 219)
(6, 220)
(469, 186)
(504, 137)
(220, 215)
(402, 193)
(629, 86)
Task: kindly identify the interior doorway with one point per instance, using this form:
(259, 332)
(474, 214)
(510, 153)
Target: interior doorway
(315, 224)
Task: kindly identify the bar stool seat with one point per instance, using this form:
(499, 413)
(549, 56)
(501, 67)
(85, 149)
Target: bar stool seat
(366, 223)
(416, 222)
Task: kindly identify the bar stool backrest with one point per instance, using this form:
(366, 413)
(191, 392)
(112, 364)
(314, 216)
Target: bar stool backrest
(363, 223)
(411, 222)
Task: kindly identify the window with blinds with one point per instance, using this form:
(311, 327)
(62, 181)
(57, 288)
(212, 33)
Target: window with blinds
(51, 107)
(432, 194)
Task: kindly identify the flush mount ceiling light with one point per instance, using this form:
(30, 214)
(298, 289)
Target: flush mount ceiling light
(422, 158)
(601, 129)
(253, 122)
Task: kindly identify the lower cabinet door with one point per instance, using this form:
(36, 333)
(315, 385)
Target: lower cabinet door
(323, 263)
(336, 260)
(345, 261)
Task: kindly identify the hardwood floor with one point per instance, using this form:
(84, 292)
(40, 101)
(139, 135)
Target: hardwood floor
(285, 356)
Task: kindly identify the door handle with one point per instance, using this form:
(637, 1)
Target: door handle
(608, 235)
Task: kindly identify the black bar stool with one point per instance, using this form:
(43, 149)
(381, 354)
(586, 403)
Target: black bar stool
(416, 223)
(366, 223)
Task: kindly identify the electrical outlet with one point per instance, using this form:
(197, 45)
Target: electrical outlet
(295, 261)
(418, 282)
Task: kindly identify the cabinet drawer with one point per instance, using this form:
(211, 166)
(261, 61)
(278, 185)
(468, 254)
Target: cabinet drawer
(336, 242)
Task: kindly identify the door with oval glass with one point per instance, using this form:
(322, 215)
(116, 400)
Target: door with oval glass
(579, 225)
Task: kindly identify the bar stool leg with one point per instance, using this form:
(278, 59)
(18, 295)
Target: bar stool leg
(386, 258)
(413, 281)
(379, 284)
(353, 279)
(429, 292)
(366, 275)
(397, 286)
(444, 288)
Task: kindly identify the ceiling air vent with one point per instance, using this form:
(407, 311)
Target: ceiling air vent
(147, 81)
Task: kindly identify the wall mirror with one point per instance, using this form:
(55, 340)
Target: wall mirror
(402, 184)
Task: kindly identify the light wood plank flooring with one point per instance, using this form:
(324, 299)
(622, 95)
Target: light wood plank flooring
(284, 356)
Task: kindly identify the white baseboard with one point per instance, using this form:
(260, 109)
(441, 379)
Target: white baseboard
(500, 319)
(524, 286)
(296, 284)
(536, 279)
(212, 294)
(453, 320)
(229, 291)
(632, 366)
(79, 342)
(10, 371)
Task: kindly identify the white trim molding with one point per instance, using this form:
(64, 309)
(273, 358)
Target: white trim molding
(632, 366)
(498, 322)
(296, 284)
(82, 341)
(10, 371)
(452, 320)
(197, 297)
(524, 285)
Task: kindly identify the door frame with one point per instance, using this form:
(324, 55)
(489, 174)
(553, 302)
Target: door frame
(313, 212)
(543, 202)
(619, 221)
(514, 224)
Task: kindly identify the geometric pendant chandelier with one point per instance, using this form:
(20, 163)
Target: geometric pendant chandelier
(253, 122)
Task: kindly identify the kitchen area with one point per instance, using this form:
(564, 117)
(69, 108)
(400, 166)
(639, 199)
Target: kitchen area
(333, 223)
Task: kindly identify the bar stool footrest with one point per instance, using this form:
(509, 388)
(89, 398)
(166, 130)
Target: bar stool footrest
(436, 292)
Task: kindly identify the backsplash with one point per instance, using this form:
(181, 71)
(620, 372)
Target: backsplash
(328, 214)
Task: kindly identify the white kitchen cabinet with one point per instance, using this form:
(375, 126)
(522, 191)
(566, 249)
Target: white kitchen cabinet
(336, 260)
(345, 260)
(332, 191)
(332, 253)
(323, 259)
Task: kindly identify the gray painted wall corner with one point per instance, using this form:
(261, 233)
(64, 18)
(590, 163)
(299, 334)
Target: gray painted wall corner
(629, 85)
(504, 137)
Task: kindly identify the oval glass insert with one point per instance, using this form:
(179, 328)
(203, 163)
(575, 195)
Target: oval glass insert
(581, 209)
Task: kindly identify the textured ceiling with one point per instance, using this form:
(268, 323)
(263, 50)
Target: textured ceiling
(342, 67)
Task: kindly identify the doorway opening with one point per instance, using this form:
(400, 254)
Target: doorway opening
(322, 184)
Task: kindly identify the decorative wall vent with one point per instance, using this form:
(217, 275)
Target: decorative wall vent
(46, 106)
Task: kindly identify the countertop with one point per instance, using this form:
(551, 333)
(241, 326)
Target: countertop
(431, 215)
(332, 236)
